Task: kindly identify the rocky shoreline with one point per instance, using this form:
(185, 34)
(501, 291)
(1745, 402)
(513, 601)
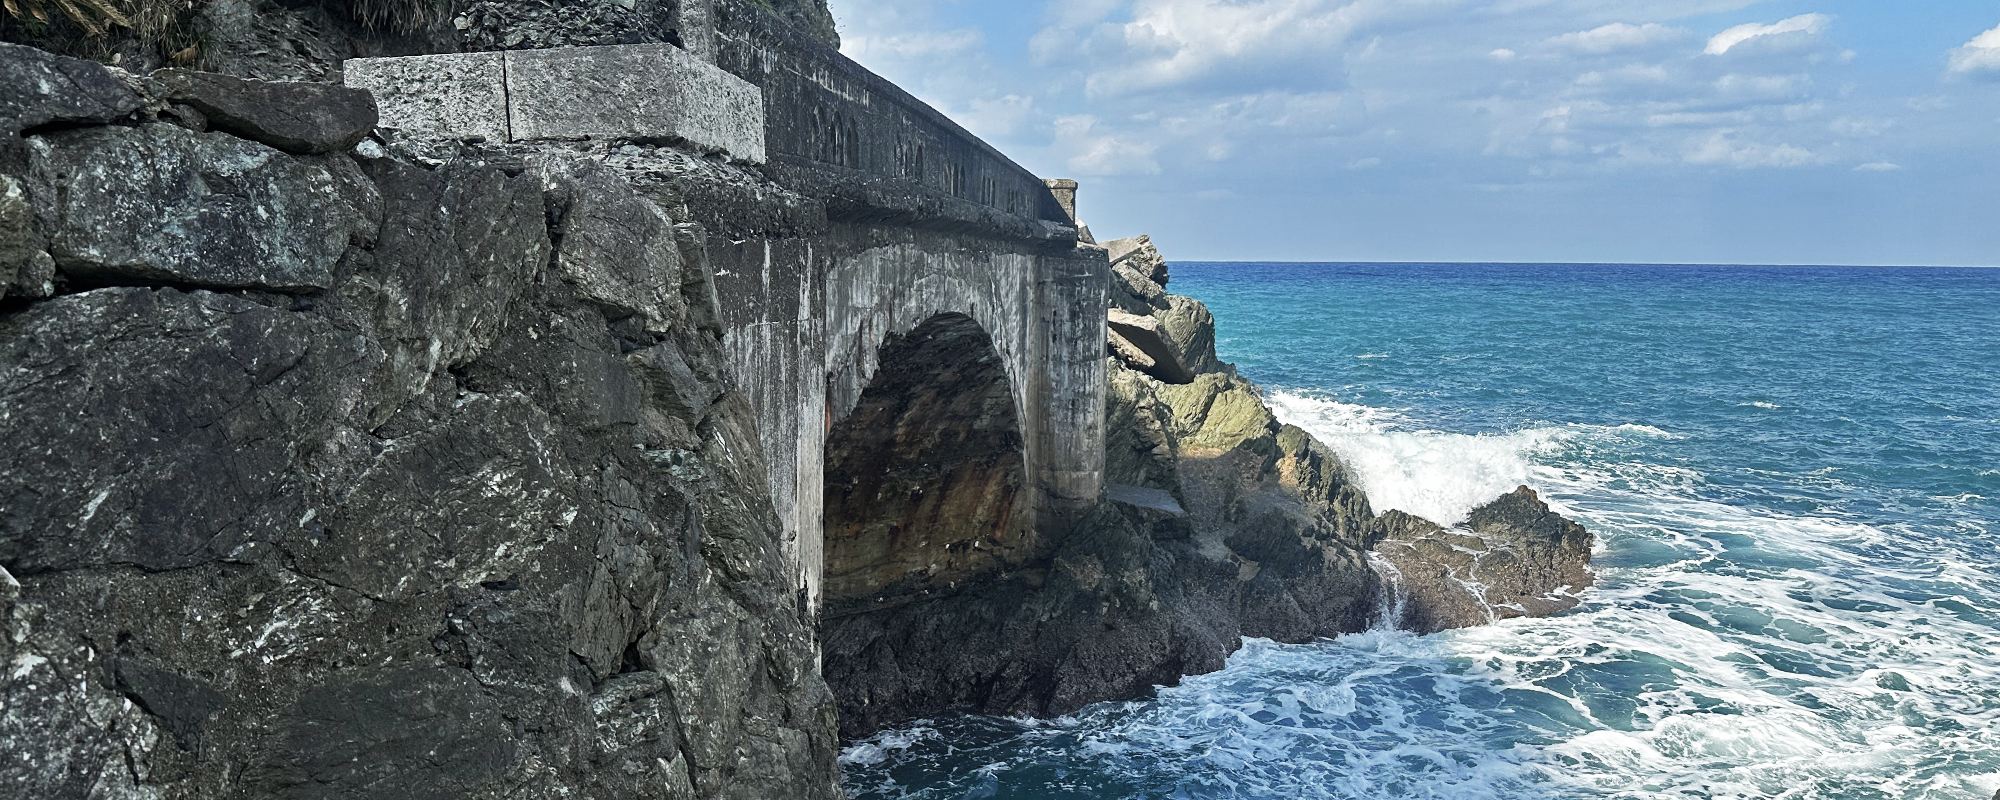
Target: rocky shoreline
(338, 461)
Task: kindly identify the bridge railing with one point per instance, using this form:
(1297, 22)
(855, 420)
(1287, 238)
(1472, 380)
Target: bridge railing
(834, 129)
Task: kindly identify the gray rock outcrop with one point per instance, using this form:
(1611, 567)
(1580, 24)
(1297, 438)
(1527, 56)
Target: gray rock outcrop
(340, 475)
(1512, 558)
(163, 204)
(293, 116)
(43, 87)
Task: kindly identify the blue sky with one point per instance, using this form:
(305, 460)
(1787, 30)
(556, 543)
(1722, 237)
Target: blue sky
(1710, 131)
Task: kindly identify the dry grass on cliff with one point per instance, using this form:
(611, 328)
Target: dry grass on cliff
(403, 15)
(151, 20)
(93, 16)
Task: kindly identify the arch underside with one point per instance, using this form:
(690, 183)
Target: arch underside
(926, 480)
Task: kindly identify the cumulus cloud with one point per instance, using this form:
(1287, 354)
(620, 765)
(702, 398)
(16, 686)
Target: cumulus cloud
(1982, 54)
(1093, 151)
(913, 45)
(1618, 36)
(1723, 149)
(1802, 27)
(1170, 43)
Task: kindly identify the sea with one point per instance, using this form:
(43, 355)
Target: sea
(1793, 475)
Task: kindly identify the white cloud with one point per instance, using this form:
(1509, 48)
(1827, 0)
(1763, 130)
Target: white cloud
(1618, 36)
(1861, 126)
(1721, 148)
(1878, 166)
(1091, 151)
(1503, 54)
(1982, 54)
(915, 45)
(999, 116)
(1804, 26)
(1370, 162)
(1169, 43)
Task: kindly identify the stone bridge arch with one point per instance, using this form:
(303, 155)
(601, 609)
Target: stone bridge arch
(814, 326)
(927, 478)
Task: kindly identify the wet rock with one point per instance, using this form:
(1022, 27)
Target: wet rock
(293, 116)
(161, 204)
(1218, 523)
(43, 87)
(1513, 558)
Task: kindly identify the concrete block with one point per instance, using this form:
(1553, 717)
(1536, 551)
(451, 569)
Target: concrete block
(456, 95)
(641, 91)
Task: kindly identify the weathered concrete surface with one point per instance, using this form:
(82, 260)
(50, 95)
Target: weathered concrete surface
(646, 92)
(807, 322)
(458, 96)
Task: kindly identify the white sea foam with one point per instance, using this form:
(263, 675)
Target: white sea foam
(1434, 475)
(1727, 652)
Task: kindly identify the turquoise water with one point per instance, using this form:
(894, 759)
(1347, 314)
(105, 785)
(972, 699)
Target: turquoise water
(1794, 477)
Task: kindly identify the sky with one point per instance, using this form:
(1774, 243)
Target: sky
(1636, 131)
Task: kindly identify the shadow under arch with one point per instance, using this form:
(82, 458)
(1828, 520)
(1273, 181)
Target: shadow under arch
(926, 480)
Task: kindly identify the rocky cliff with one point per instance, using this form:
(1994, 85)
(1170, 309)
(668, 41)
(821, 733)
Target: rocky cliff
(334, 472)
(1218, 522)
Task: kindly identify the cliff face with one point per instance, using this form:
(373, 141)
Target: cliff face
(350, 473)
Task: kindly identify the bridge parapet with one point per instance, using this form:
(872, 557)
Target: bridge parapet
(634, 92)
(876, 153)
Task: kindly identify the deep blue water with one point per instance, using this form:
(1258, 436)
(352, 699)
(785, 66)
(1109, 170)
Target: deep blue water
(1794, 477)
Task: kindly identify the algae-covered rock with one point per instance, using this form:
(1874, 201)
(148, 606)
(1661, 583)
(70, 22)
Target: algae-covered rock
(1216, 413)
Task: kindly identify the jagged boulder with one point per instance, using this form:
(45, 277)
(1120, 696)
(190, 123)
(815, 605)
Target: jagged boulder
(293, 116)
(1165, 335)
(1141, 342)
(1138, 255)
(1514, 557)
